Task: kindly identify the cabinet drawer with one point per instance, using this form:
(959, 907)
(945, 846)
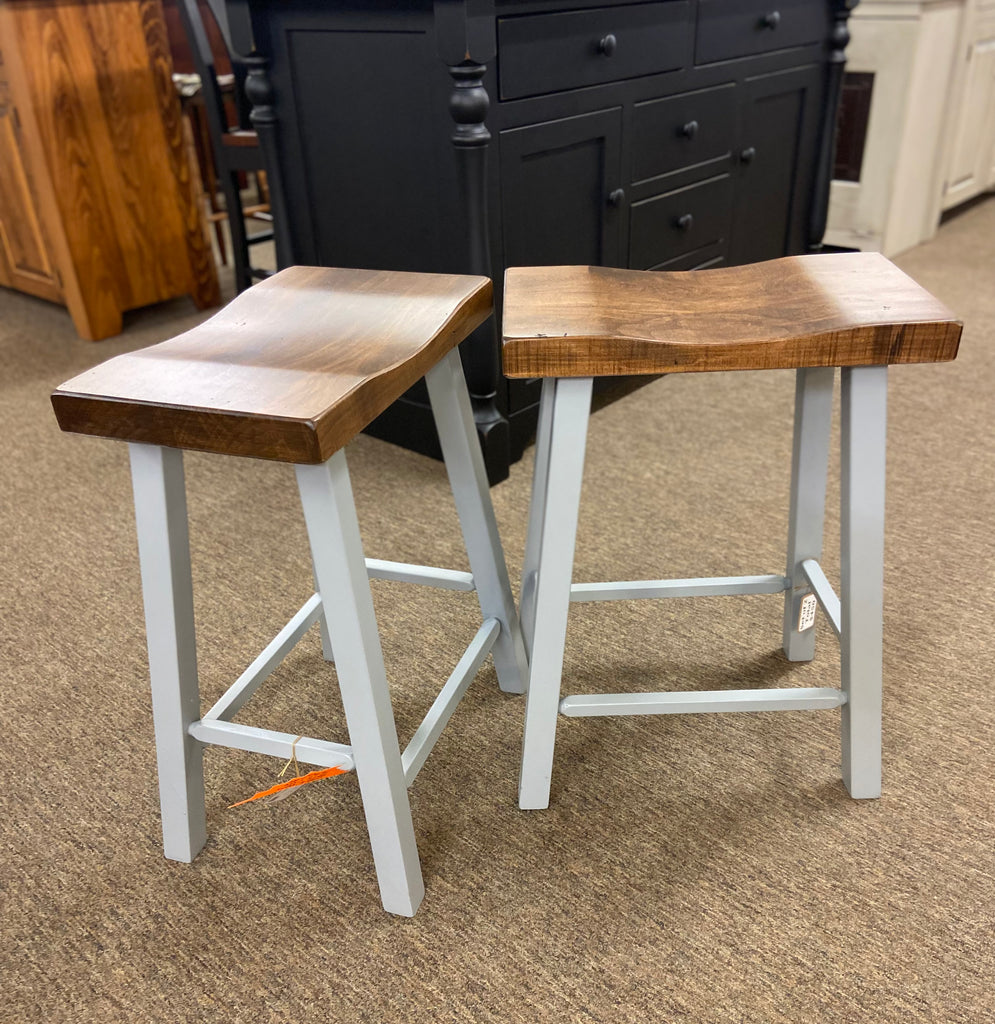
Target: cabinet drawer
(543, 53)
(682, 130)
(677, 222)
(738, 28)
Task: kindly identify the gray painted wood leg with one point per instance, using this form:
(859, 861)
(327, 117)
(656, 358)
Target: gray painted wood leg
(809, 462)
(864, 420)
(326, 638)
(333, 529)
(467, 477)
(537, 511)
(571, 410)
(167, 592)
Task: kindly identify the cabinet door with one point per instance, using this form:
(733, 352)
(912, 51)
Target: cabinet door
(777, 154)
(970, 159)
(560, 191)
(24, 260)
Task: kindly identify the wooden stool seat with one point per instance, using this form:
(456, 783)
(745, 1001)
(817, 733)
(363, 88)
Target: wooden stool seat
(808, 313)
(291, 370)
(854, 309)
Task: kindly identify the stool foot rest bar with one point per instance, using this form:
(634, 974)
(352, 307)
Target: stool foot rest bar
(811, 314)
(291, 370)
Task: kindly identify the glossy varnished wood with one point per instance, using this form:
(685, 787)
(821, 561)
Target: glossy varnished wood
(843, 309)
(241, 138)
(290, 370)
(25, 250)
(100, 143)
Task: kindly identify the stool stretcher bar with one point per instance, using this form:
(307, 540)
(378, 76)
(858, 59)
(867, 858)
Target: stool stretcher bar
(421, 744)
(276, 744)
(429, 576)
(266, 664)
(824, 593)
(216, 729)
(698, 701)
(236, 696)
(715, 586)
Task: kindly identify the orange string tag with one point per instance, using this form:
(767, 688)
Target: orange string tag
(301, 780)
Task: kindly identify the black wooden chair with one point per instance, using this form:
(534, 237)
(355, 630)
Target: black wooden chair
(236, 148)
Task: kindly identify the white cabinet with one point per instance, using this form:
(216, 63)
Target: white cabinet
(911, 48)
(931, 131)
(971, 166)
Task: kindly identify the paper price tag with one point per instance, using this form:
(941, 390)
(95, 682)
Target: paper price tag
(806, 612)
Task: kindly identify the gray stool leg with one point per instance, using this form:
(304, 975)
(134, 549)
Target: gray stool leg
(164, 553)
(537, 511)
(864, 419)
(326, 495)
(465, 466)
(809, 461)
(326, 638)
(558, 509)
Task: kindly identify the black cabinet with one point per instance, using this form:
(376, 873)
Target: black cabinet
(666, 134)
(543, 53)
(775, 177)
(561, 197)
(689, 223)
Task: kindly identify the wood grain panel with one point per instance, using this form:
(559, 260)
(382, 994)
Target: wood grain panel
(33, 155)
(200, 254)
(845, 309)
(101, 115)
(65, 83)
(114, 43)
(24, 258)
(290, 370)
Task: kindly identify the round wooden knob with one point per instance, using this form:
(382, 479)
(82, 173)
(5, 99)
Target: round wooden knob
(690, 130)
(747, 155)
(607, 45)
(617, 197)
(771, 20)
(685, 221)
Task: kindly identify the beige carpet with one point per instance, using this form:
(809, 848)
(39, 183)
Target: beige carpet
(703, 869)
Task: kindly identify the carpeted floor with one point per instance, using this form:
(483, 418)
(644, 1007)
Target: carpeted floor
(703, 869)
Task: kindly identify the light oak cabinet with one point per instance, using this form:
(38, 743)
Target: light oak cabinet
(25, 263)
(97, 204)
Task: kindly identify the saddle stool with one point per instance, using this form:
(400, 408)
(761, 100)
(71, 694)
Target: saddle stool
(807, 313)
(291, 370)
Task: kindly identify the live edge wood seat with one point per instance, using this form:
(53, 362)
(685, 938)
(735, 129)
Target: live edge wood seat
(813, 313)
(852, 309)
(291, 370)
